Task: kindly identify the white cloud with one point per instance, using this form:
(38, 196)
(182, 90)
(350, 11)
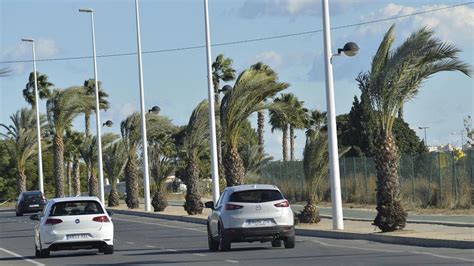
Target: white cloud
(271, 58)
(455, 25)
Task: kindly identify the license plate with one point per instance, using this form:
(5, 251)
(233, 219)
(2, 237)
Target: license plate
(77, 236)
(259, 222)
(34, 205)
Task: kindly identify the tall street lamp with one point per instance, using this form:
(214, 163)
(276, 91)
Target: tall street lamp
(350, 49)
(212, 117)
(97, 110)
(146, 178)
(38, 126)
(424, 128)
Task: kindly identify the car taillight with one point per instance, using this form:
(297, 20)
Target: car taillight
(53, 221)
(282, 204)
(101, 219)
(232, 207)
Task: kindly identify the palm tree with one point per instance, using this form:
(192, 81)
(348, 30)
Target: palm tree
(221, 71)
(22, 136)
(130, 129)
(395, 78)
(259, 66)
(89, 87)
(43, 88)
(250, 91)
(195, 146)
(63, 106)
(297, 119)
(87, 150)
(76, 139)
(114, 163)
(254, 160)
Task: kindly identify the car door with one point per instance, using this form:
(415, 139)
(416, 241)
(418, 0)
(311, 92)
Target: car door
(216, 213)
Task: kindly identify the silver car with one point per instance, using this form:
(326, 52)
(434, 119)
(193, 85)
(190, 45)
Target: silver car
(249, 213)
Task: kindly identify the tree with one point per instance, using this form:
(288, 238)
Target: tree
(23, 139)
(63, 106)
(250, 91)
(297, 120)
(130, 129)
(43, 88)
(89, 87)
(261, 114)
(195, 146)
(114, 163)
(395, 78)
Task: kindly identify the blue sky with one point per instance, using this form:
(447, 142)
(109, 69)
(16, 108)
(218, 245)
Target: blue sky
(176, 80)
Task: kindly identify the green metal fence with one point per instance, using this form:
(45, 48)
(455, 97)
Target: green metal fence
(430, 180)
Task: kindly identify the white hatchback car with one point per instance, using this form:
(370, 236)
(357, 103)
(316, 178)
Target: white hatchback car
(249, 213)
(73, 223)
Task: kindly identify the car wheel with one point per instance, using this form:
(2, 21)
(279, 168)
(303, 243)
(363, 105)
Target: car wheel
(224, 243)
(276, 243)
(109, 249)
(19, 214)
(44, 253)
(213, 244)
(290, 242)
(37, 252)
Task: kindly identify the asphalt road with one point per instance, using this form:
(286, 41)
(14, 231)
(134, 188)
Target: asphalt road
(141, 240)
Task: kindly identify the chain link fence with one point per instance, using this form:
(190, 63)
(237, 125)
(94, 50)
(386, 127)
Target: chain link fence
(439, 180)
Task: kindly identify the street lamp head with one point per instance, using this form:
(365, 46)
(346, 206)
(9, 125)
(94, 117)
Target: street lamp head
(155, 109)
(349, 49)
(27, 40)
(87, 10)
(108, 123)
(225, 89)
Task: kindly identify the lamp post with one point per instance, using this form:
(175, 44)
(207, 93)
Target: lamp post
(146, 178)
(38, 126)
(350, 49)
(97, 109)
(212, 117)
(424, 128)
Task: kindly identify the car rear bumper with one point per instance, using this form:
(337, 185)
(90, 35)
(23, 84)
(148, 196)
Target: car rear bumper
(77, 245)
(259, 233)
(30, 209)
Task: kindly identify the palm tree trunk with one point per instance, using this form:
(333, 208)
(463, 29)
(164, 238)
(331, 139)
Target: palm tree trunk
(234, 167)
(69, 176)
(21, 185)
(87, 122)
(310, 213)
(390, 213)
(93, 183)
(292, 143)
(113, 195)
(260, 129)
(285, 143)
(76, 184)
(193, 204)
(400, 112)
(58, 156)
(131, 184)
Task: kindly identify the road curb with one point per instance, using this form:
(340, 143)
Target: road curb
(376, 237)
(455, 224)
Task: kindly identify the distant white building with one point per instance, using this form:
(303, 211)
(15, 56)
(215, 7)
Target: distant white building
(441, 148)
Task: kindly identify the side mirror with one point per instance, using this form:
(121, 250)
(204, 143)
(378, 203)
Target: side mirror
(110, 213)
(34, 217)
(209, 204)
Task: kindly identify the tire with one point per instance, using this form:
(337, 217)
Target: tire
(290, 242)
(212, 243)
(276, 243)
(19, 214)
(109, 249)
(44, 253)
(37, 252)
(224, 243)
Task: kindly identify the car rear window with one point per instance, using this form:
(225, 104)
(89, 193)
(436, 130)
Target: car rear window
(76, 208)
(33, 196)
(256, 196)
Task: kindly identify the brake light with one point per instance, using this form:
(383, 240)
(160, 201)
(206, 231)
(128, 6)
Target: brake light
(282, 204)
(232, 207)
(101, 219)
(53, 221)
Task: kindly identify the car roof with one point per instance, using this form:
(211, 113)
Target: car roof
(67, 199)
(252, 187)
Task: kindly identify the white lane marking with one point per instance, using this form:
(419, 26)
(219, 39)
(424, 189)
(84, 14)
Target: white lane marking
(393, 251)
(21, 257)
(150, 246)
(172, 250)
(441, 256)
(130, 243)
(199, 255)
(232, 261)
(370, 249)
(165, 225)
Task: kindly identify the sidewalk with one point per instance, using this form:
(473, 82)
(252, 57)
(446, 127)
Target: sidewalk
(431, 235)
